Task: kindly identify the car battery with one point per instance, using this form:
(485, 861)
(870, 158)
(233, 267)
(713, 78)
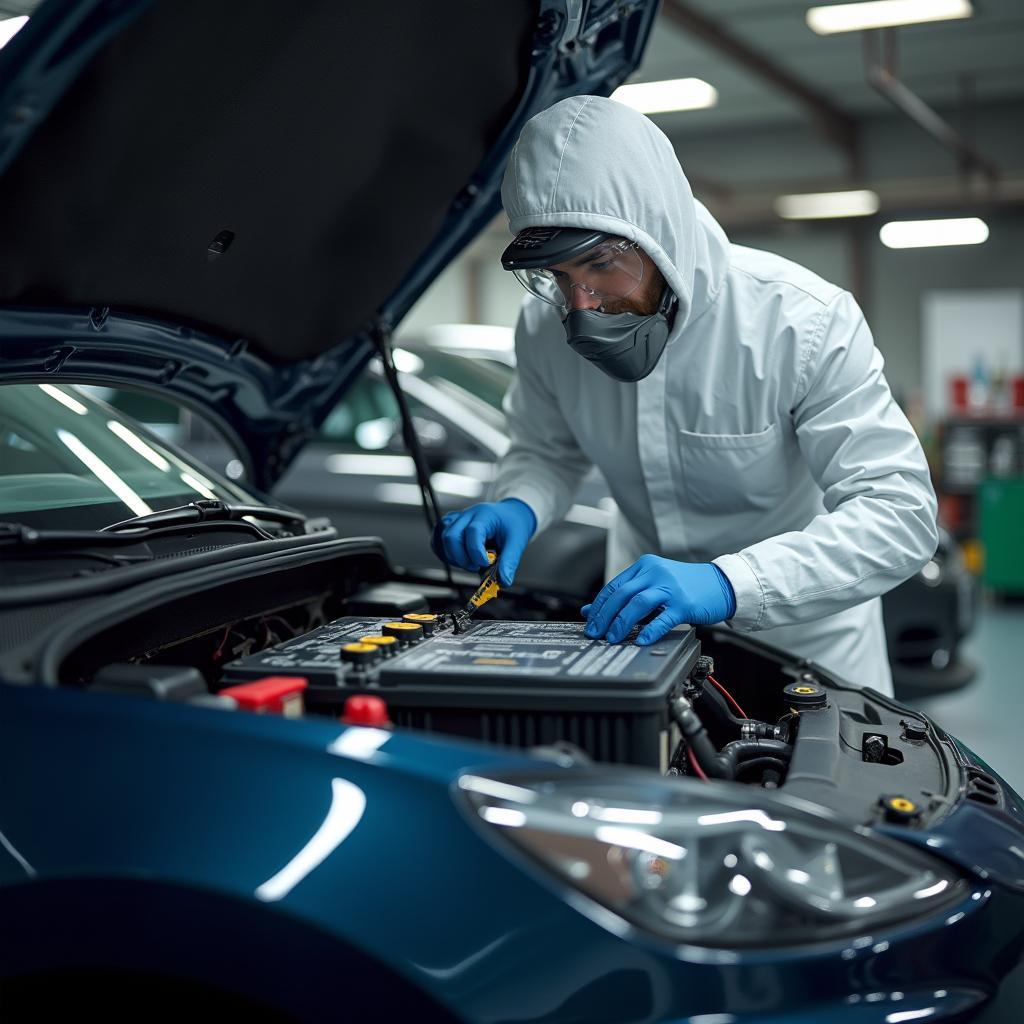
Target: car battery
(521, 684)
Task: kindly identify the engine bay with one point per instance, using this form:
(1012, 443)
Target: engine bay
(704, 702)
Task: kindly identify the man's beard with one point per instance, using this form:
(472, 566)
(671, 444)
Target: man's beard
(643, 302)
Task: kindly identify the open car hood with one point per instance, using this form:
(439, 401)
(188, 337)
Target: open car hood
(230, 203)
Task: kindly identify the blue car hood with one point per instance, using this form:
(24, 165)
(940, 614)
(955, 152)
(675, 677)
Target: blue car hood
(232, 206)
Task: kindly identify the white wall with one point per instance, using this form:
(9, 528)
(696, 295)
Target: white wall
(474, 289)
(445, 301)
(503, 294)
(900, 277)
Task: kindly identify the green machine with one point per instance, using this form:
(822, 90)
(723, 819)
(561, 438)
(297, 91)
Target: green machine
(1002, 533)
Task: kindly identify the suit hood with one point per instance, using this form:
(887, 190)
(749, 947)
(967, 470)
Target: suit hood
(591, 162)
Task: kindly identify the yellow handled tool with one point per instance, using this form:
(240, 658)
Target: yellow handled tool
(488, 589)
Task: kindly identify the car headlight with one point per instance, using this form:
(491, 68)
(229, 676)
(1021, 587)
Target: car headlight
(718, 865)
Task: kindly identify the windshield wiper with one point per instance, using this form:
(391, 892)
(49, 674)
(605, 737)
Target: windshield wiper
(20, 537)
(200, 515)
(207, 511)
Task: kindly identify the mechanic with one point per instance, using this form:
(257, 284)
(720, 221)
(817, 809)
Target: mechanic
(733, 400)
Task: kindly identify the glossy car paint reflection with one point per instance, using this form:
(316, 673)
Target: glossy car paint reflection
(355, 835)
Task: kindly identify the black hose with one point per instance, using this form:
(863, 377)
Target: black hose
(722, 765)
(690, 725)
(741, 753)
(762, 762)
(720, 707)
(740, 750)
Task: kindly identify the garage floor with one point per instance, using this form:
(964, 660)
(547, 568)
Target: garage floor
(988, 716)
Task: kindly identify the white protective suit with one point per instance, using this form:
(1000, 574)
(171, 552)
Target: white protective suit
(765, 440)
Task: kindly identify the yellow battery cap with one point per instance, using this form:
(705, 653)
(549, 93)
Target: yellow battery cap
(385, 644)
(428, 622)
(359, 654)
(407, 632)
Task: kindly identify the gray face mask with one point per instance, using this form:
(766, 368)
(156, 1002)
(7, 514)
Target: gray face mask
(625, 346)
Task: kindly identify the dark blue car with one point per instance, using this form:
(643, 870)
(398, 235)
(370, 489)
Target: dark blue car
(232, 205)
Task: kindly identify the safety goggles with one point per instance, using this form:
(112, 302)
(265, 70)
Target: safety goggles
(609, 271)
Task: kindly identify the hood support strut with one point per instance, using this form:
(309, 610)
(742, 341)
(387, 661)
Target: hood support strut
(431, 509)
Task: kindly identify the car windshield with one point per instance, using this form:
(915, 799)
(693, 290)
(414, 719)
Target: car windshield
(70, 461)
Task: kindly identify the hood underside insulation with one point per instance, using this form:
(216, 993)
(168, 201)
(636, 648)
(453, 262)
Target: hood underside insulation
(264, 171)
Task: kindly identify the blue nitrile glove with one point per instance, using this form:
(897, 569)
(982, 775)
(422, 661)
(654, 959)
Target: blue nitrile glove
(462, 538)
(697, 593)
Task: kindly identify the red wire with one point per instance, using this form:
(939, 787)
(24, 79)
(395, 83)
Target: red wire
(220, 647)
(693, 764)
(728, 696)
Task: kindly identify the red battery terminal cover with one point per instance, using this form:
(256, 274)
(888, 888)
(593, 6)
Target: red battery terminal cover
(365, 709)
(272, 695)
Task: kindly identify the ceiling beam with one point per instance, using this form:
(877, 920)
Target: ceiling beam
(836, 124)
(883, 76)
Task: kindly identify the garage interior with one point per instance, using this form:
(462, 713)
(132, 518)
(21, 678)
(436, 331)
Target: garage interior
(889, 160)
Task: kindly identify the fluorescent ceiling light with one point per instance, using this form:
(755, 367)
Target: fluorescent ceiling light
(9, 28)
(659, 97)
(814, 205)
(370, 465)
(347, 805)
(406, 361)
(66, 400)
(136, 443)
(915, 234)
(884, 14)
(197, 485)
(104, 473)
(456, 483)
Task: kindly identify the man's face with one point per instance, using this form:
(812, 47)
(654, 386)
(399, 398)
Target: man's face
(611, 279)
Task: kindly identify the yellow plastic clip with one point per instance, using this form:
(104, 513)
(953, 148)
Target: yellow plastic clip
(489, 586)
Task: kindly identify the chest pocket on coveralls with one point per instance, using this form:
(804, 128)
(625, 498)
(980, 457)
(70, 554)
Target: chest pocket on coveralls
(725, 473)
